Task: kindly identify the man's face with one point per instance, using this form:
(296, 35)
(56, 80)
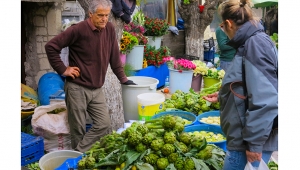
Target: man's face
(100, 17)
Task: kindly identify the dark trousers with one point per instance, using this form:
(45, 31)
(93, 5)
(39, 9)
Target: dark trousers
(81, 100)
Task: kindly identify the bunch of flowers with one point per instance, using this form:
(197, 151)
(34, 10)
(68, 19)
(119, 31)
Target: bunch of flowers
(137, 31)
(128, 41)
(142, 40)
(179, 64)
(214, 73)
(156, 26)
(201, 67)
(132, 27)
(156, 56)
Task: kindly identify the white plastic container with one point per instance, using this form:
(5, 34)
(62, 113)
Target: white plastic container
(130, 92)
(154, 41)
(180, 80)
(54, 159)
(135, 57)
(149, 104)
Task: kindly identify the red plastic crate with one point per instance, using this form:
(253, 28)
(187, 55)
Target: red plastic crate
(32, 148)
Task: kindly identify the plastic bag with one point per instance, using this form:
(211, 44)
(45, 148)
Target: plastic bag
(262, 166)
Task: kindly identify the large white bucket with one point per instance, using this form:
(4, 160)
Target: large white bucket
(180, 80)
(130, 93)
(54, 159)
(149, 104)
(135, 57)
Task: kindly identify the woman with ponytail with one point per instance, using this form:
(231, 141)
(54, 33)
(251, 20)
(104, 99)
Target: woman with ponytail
(249, 93)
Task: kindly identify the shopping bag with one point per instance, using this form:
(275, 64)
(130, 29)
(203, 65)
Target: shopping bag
(262, 166)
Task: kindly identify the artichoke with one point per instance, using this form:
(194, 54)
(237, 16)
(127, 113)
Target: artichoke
(167, 149)
(169, 137)
(162, 163)
(151, 158)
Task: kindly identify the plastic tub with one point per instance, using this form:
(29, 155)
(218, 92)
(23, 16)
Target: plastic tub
(185, 115)
(130, 93)
(55, 159)
(48, 85)
(207, 114)
(180, 80)
(149, 104)
(203, 127)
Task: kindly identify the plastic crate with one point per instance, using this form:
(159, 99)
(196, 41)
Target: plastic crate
(210, 128)
(209, 55)
(32, 148)
(185, 115)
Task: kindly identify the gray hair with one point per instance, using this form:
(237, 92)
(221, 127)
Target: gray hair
(94, 4)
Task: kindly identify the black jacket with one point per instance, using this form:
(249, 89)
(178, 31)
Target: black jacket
(121, 10)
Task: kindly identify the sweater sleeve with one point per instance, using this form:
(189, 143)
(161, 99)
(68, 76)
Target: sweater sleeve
(54, 47)
(115, 61)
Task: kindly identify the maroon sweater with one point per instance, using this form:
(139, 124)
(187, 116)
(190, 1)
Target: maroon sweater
(91, 50)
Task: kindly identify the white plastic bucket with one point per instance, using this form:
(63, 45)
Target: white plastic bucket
(154, 41)
(54, 159)
(130, 93)
(180, 80)
(149, 104)
(135, 57)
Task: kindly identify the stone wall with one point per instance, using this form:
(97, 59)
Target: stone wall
(43, 22)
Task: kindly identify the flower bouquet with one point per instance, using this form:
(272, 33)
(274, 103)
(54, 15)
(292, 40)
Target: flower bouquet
(179, 64)
(137, 31)
(156, 27)
(128, 41)
(181, 73)
(156, 56)
(214, 73)
(201, 68)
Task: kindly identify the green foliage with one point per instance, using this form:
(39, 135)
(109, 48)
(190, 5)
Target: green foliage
(274, 38)
(128, 70)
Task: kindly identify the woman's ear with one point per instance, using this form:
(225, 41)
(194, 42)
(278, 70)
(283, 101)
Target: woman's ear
(228, 23)
(90, 14)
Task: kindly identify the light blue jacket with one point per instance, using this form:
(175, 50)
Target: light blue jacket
(251, 129)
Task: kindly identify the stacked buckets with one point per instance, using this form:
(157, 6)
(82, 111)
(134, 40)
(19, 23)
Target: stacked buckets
(141, 101)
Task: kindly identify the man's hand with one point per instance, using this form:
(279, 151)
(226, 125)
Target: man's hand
(72, 72)
(129, 82)
(213, 98)
(253, 156)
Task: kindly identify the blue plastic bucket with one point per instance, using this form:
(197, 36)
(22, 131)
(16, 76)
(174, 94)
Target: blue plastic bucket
(183, 114)
(207, 114)
(203, 127)
(48, 85)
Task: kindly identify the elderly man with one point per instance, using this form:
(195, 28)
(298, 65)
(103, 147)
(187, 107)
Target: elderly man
(92, 47)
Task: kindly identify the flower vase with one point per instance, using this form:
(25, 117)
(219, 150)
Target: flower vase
(154, 41)
(197, 82)
(123, 58)
(135, 57)
(208, 81)
(180, 80)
